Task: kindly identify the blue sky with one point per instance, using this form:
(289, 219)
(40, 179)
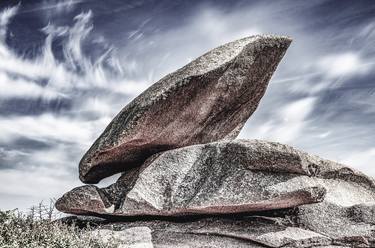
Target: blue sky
(68, 67)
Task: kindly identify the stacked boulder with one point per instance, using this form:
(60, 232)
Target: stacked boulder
(186, 181)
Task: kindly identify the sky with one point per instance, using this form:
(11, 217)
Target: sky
(68, 67)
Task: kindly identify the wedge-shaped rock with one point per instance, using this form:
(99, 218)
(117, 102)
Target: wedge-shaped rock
(207, 100)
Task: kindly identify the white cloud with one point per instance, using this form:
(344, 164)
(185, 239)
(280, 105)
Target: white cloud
(130, 87)
(5, 16)
(324, 135)
(293, 119)
(62, 6)
(152, 57)
(33, 185)
(345, 64)
(50, 127)
(327, 72)
(18, 88)
(76, 71)
(287, 123)
(363, 160)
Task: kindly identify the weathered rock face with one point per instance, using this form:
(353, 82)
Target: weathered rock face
(221, 178)
(345, 225)
(133, 237)
(315, 225)
(181, 189)
(207, 100)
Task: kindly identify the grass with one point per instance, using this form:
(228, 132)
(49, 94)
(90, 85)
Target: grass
(38, 229)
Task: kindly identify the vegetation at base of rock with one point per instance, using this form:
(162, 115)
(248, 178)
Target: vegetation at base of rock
(38, 228)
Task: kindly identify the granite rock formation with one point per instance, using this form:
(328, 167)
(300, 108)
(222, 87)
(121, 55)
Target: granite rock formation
(223, 178)
(209, 99)
(282, 197)
(187, 183)
(320, 225)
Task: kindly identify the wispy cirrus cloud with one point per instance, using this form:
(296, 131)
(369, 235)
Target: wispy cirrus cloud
(43, 150)
(346, 64)
(287, 123)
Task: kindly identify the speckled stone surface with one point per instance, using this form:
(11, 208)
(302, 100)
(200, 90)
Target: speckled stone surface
(187, 183)
(133, 237)
(207, 100)
(331, 206)
(224, 177)
(275, 229)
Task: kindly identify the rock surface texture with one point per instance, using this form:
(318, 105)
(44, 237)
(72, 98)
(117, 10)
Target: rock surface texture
(304, 226)
(209, 99)
(239, 177)
(223, 178)
(186, 183)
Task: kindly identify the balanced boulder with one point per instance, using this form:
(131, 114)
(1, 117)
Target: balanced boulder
(207, 100)
(187, 183)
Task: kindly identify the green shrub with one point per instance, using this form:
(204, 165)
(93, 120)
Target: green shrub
(38, 229)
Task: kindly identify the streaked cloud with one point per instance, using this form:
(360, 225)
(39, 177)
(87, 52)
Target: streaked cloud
(364, 160)
(340, 65)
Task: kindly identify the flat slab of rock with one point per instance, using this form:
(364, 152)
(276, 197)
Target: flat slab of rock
(207, 100)
(223, 178)
(275, 229)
